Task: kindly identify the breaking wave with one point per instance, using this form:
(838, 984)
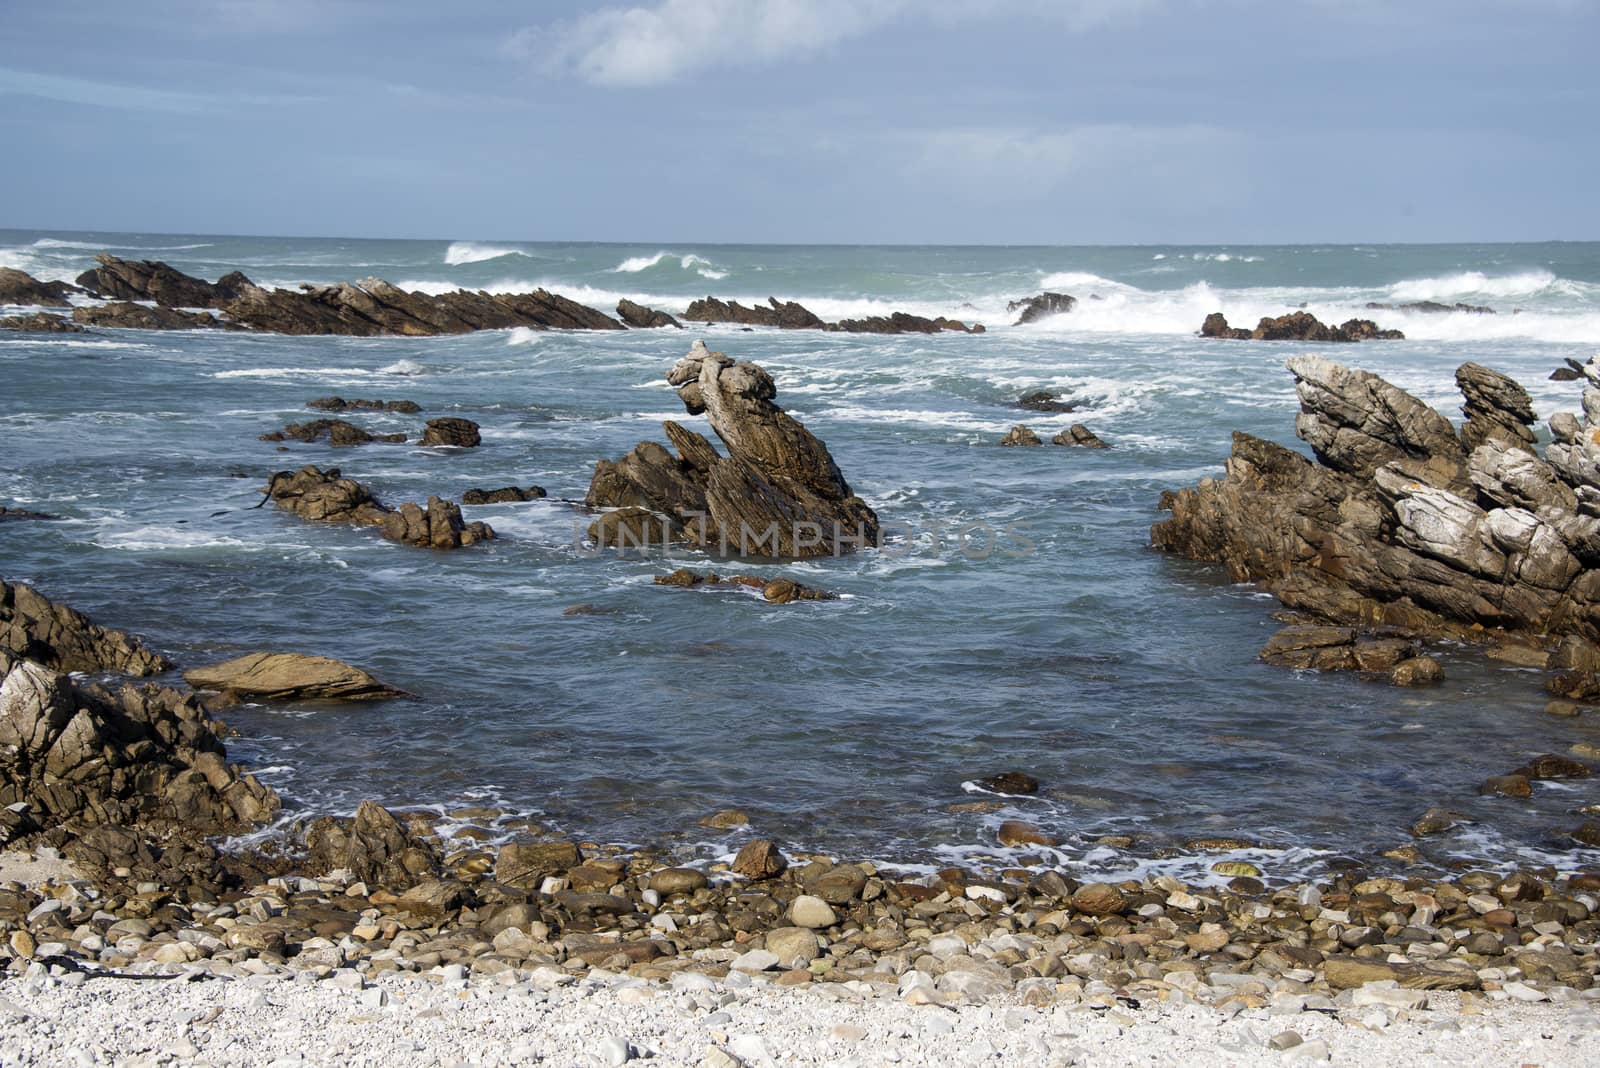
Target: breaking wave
(462, 252)
(688, 262)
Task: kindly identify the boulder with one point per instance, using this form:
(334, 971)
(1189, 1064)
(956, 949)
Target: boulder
(1216, 325)
(325, 496)
(641, 318)
(526, 864)
(776, 493)
(760, 859)
(1010, 782)
(452, 431)
(504, 495)
(336, 431)
(437, 526)
(1079, 435)
(1020, 435)
(20, 288)
(1041, 307)
(290, 677)
(56, 636)
(373, 847)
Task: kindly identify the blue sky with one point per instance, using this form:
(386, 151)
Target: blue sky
(871, 121)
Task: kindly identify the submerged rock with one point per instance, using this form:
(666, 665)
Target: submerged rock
(641, 318)
(776, 493)
(1042, 307)
(339, 404)
(11, 515)
(290, 677)
(504, 495)
(55, 636)
(775, 590)
(336, 431)
(1045, 400)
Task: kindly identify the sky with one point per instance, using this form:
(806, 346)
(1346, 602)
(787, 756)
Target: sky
(822, 121)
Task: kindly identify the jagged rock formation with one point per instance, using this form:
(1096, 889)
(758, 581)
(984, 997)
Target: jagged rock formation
(1020, 435)
(41, 323)
(1081, 436)
(1404, 523)
(1400, 660)
(1298, 326)
(641, 318)
(18, 287)
(336, 431)
(36, 628)
(373, 847)
(290, 677)
(127, 316)
(339, 404)
(1041, 307)
(788, 315)
(325, 496)
(776, 493)
(117, 279)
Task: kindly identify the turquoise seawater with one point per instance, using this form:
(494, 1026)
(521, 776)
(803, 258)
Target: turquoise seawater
(1125, 680)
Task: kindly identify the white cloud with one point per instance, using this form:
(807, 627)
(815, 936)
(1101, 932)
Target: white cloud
(635, 46)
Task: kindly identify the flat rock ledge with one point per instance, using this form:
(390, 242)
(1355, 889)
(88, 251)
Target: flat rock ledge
(775, 590)
(1405, 522)
(290, 677)
(777, 492)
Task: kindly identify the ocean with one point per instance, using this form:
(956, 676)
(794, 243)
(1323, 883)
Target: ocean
(1124, 680)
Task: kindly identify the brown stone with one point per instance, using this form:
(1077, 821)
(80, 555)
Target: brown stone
(1099, 899)
(760, 859)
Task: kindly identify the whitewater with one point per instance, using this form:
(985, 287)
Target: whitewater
(569, 688)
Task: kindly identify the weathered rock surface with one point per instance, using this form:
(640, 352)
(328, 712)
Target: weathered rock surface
(453, 431)
(438, 525)
(290, 677)
(76, 756)
(339, 404)
(1400, 525)
(1297, 326)
(1044, 400)
(1020, 435)
(776, 493)
(1323, 648)
(21, 288)
(36, 628)
(126, 316)
(775, 590)
(641, 318)
(503, 495)
(373, 847)
(787, 315)
(118, 279)
(336, 431)
(1042, 307)
(1081, 436)
(41, 323)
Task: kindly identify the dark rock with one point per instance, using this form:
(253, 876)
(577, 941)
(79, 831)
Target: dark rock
(9, 515)
(1554, 766)
(1020, 435)
(1366, 330)
(20, 288)
(127, 280)
(41, 323)
(634, 528)
(437, 526)
(339, 404)
(373, 847)
(777, 493)
(1010, 782)
(1496, 407)
(128, 316)
(1297, 326)
(55, 636)
(1080, 435)
(788, 315)
(1417, 671)
(450, 430)
(336, 431)
(1045, 400)
(324, 496)
(504, 495)
(1041, 307)
(374, 308)
(1513, 785)
(1431, 307)
(760, 859)
(526, 864)
(1216, 325)
(290, 677)
(902, 323)
(641, 318)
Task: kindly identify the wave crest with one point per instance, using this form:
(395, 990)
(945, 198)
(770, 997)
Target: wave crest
(688, 262)
(463, 252)
(1474, 284)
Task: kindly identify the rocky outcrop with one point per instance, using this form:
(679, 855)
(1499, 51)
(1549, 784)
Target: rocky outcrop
(126, 316)
(452, 431)
(504, 495)
(339, 404)
(40, 323)
(1321, 648)
(774, 590)
(336, 431)
(1431, 307)
(117, 279)
(1020, 435)
(1398, 524)
(36, 628)
(1042, 307)
(788, 315)
(373, 847)
(1497, 407)
(641, 318)
(1297, 326)
(1081, 436)
(776, 493)
(290, 677)
(1044, 400)
(18, 287)
(75, 756)
(438, 525)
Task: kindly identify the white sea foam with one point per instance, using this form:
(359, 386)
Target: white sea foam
(1453, 287)
(523, 335)
(688, 262)
(462, 252)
